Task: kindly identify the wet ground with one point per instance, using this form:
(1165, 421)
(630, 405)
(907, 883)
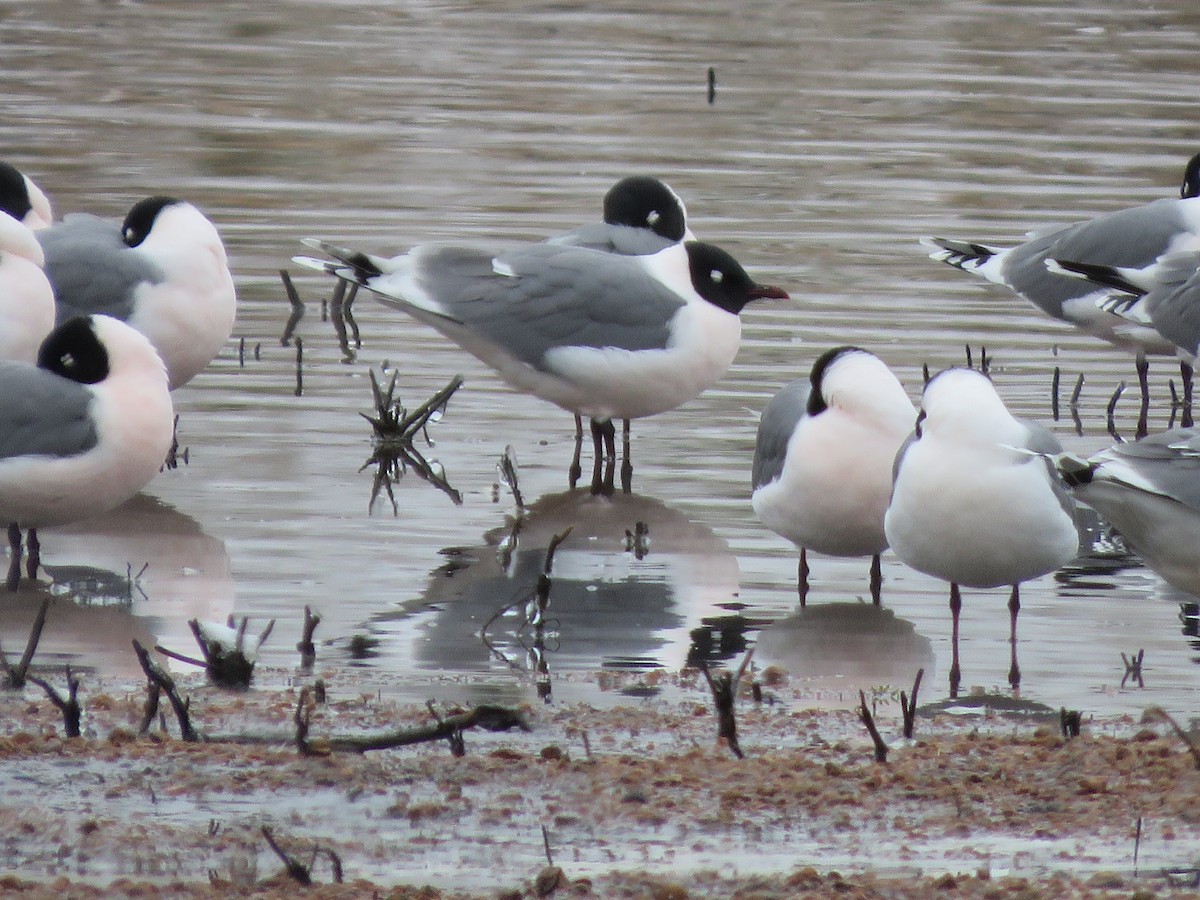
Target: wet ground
(839, 134)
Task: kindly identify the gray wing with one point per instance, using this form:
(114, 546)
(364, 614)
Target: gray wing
(896, 463)
(43, 414)
(1169, 461)
(1041, 440)
(1133, 237)
(779, 420)
(1174, 303)
(621, 239)
(91, 268)
(547, 296)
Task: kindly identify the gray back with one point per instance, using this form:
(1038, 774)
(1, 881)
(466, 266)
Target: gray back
(43, 414)
(621, 239)
(779, 420)
(560, 296)
(91, 269)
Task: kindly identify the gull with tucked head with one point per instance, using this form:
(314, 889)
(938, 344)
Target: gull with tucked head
(973, 501)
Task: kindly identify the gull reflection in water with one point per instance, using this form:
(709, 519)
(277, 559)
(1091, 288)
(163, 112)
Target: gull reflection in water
(846, 647)
(141, 571)
(628, 586)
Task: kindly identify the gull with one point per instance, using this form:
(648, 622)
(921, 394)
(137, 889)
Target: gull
(1149, 490)
(80, 432)
(1132, 237)
(972, 502)
(602, 335)
(163, 271)
(822, 471)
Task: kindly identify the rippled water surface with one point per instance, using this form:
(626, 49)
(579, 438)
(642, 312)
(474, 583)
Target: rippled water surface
(840, 133)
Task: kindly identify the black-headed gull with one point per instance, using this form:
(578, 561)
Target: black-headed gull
(823, 458)
(642, 215)
(163, 270)
(1149, 490)
(973, 502)
(602, 335)
(83, 430)
(1135, 237)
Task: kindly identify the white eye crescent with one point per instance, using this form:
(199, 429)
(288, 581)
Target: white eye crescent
(717, 276)
(653, 218)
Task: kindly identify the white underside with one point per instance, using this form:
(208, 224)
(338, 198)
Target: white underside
(834, 488)
(978, 519)
(604, 383)
(26, 308)
(190, 316)
(135, 423)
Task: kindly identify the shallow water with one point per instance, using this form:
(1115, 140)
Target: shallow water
(840, 133)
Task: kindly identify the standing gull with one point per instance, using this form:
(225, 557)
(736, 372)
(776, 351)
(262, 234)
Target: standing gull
(823, 459)
(973, 503)
(1133, 237)
(82, 431)
(642, 215)
(601, 335)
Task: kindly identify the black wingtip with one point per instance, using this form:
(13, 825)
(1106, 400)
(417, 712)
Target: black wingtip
(1105, 276)
(362, 264)
(959, 254)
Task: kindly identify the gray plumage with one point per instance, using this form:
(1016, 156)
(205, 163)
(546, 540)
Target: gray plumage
(779, 420)
(1043, 442)
(43, 414)
(1133, 237)
(1173, 305)
(1169, 461)
(625, 240)
(555, 296)
(91, 268)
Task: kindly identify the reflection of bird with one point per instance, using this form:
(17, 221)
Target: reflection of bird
(82, 431)
(1133, 237)
(849, 644)
(972, 502)
(611, 605)
(1150, 491)
(601, 335)
(822, 471)
(151, 560)
(163, 271)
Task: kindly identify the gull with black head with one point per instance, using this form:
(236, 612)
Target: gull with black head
(602, 335)
(1135, 237)
(163, 271)
(823, 459)
(82, 431)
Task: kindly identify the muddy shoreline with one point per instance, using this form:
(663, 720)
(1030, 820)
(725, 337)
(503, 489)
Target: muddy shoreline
(637, 799)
